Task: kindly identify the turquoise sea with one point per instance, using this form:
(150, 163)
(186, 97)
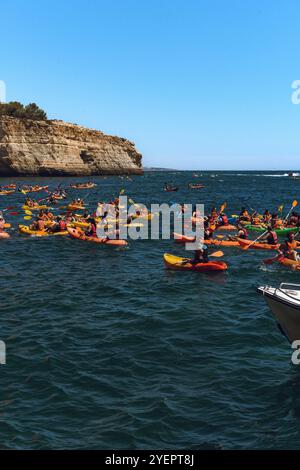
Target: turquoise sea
(108, 350)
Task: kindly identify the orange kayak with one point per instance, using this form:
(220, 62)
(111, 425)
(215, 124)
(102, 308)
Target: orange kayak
(290, 263)
(256, 246)
(80, 235)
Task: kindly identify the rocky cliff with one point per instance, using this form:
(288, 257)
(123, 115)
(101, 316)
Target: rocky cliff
(55, 148)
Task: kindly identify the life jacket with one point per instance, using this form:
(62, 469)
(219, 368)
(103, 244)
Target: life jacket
(292, 245)
(272, 238)
(62, 225)
(224, 219)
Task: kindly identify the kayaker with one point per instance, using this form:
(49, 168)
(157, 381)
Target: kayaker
(214, 213)
(208, 232)
(275, 222)
(242, 232)
(270, 237)
(267, 216)
(244, 215)
(289, 246)
(92, 232)
(293, 220)
(201, 255)
(223, 219)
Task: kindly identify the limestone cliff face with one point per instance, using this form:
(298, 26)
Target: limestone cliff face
(56, 148)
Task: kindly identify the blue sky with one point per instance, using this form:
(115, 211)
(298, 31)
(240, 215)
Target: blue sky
(195, 84)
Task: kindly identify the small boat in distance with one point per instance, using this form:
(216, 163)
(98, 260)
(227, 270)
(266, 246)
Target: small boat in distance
(284, 303)
(170, 188)
(195, 186)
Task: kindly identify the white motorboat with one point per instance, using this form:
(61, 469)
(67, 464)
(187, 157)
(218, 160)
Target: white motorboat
(284, 302)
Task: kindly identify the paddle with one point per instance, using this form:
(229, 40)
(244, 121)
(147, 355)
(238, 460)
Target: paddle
(246, 247)
(294, 204)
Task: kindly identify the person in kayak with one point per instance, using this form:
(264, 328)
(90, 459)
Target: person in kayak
(59, 226)
(270, 237)
(293, 220)
(275, 221)
(201, 255)
(289, 246)
(92, 232)
(244, 215)
(267, 216)
(242, 232)
(208, 232)
(38, 225)
(223, 219)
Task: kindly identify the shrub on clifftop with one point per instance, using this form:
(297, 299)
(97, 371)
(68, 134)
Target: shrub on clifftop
(18, 110)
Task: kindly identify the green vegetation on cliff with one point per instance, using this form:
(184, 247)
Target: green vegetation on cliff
(18, 110)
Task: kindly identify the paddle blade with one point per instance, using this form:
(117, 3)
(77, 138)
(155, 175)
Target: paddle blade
(220, 236)
(217, 254)
(295, 203)
(28, 212)
(23, 192)
(13, 213)
(27, 217)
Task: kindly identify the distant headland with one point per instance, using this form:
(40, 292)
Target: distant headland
(32, 145)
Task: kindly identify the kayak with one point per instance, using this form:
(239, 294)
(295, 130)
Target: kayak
(226, 227)
(196, 186)
(25, 229)
(33, 208)
(175, 263)
(4, 235)
(80, 235)
(185, 239)
(257, 246)
(5, 193)
(35, 190)
(290, 263)
(215, 242)
(279, 231)
(74, 207)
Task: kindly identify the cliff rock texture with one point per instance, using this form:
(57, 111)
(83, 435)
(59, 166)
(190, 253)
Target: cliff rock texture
(53, 148)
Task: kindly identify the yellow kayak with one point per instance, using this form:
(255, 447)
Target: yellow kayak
(25, 229)
(34, 208)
